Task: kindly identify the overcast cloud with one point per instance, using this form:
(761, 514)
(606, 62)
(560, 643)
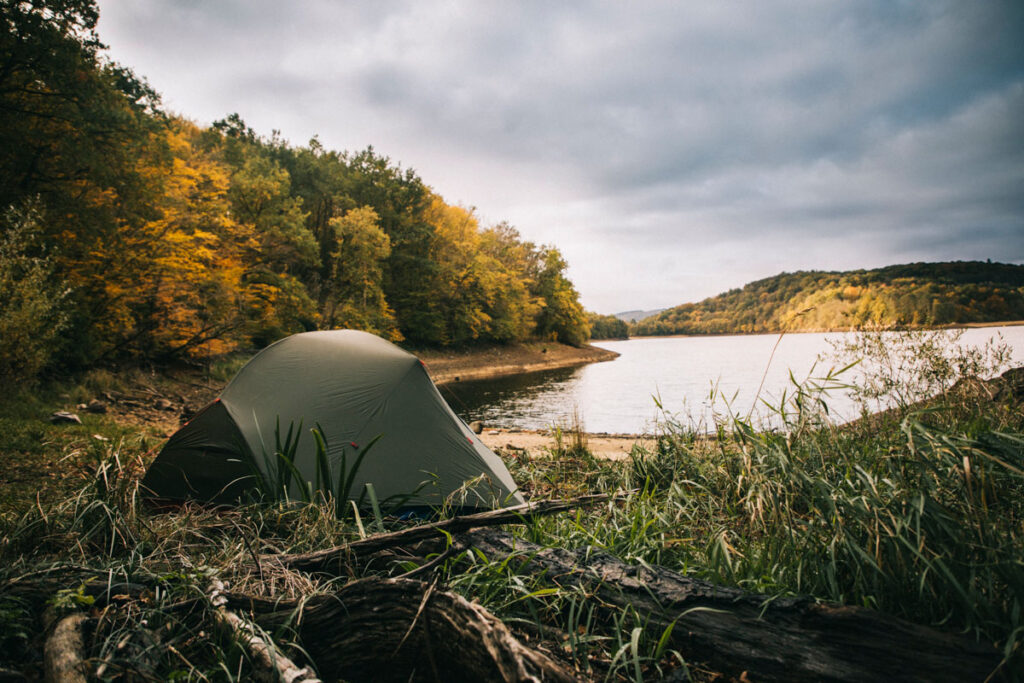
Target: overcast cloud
(671, 150)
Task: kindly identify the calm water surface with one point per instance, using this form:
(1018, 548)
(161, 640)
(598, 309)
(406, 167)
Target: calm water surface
(619, 396)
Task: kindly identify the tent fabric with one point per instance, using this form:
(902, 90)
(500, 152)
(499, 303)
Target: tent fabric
(355, 386)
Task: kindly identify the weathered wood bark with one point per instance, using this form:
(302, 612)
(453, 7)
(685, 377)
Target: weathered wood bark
(785, 639)
(271, 664)
(333, 559)
(400, 630)
(63, 661)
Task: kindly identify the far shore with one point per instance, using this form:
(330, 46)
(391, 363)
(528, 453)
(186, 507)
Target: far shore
(951, 326)
(450, 366)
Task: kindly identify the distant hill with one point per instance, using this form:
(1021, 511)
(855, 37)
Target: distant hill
(914, 294)
(634, 316)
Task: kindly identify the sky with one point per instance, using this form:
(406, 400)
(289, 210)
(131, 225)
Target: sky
(670, 150)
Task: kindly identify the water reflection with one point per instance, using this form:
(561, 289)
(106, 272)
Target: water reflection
(619, 396)
(537, 400)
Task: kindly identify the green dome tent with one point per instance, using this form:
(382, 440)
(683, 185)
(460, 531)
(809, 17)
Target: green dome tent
(356, 387)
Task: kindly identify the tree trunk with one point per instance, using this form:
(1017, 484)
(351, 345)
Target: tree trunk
(781, 639)
(401, 630)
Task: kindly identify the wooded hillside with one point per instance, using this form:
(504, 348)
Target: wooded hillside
(915, 294)
(129, 233)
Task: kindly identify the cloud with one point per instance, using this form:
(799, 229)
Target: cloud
(671, 150)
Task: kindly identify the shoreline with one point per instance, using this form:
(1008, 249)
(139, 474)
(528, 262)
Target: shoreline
(448, 367)
(951, 326)
(536, 441)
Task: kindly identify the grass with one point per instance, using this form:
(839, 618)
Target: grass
(45, 462)
(918, 512)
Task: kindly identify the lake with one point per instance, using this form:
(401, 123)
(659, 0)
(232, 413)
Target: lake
(619, 396)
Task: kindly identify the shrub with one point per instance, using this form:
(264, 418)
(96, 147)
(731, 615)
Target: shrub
(31, 303)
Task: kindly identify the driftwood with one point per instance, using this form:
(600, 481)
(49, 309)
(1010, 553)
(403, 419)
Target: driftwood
(399, 630)
(334, 559)
(784, 639)
(272, 664)
(63, 661)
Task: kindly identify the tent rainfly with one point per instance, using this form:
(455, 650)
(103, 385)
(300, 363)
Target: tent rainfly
(356, 387)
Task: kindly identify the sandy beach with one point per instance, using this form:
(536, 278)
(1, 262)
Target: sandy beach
(609, 446)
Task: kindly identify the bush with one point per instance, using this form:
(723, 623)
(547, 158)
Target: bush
(31, 303)
(901, 368)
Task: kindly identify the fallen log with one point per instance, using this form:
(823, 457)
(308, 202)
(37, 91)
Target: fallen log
(63, 661)
(401, 630)
(333, 560)
(772, 639)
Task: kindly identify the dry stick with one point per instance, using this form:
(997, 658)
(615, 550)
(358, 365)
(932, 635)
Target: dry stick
(760, 386)
(432, 563)
(62, 654)
(323, 560)
(416, 617)
(770, 358)
(262, 649)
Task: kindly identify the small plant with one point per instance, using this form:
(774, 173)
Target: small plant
(279, 479)
(571, 438)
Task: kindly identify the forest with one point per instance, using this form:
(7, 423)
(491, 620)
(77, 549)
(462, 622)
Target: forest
(130, 233)
(911, 295)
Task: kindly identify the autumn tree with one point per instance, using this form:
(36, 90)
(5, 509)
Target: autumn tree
(76, 135)
(514, 310)
(355, 281)
(411, 274)
(134, 234)
(285, 251)
(193, 298)
(562, 317)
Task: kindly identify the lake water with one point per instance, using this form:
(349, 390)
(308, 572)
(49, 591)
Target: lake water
(619, 396)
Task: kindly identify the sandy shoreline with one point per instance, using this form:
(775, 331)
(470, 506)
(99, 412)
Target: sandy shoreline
(536, 442)
(446, 367)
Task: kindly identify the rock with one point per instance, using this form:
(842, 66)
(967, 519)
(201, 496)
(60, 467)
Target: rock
(477, 426)
(96, 406)
(81, 406)
(64, 417)
(163, 404)
(493, 432)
